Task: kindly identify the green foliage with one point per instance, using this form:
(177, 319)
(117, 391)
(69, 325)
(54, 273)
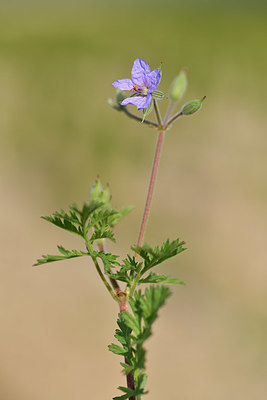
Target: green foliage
(155, 278)
(134, 330)
(153, 257)
(131, 271)
(94, 222)
(66, 254)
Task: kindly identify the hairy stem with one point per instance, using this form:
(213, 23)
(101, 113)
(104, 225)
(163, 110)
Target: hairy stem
(153, 176)
(151, 187)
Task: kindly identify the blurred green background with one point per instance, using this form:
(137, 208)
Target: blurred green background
(57, 63)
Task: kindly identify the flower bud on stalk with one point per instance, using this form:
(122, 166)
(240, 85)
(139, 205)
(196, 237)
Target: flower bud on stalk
(119, 98)
(192, 106)
(178, 86)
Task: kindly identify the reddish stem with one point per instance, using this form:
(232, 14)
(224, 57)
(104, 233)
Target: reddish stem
(151, 187)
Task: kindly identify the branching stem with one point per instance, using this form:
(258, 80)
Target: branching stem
(173, 118)
(113, 281)
(100, 273)
(146, 121)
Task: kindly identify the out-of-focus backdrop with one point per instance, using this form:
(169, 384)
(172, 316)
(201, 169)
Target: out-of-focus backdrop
(57, 63)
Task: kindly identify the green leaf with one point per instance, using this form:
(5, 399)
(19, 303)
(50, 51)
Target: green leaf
(127, 368)
(128, 269)
(87, 211)
(129, 393)
(106, 217)
(123, 334)
(131, 322)
(120, 337)
(141, 381)
(62, 221)
(120, 214)
(135, 304)
(102, 233)
(117, 349)
(154, 298)
(155, 278)
(66, 254)
(156, 255)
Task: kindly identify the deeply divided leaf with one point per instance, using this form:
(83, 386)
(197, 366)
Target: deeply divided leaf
(155, 278)
(156, 255)
(66, 254)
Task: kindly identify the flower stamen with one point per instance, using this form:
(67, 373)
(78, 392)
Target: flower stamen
(134, 88)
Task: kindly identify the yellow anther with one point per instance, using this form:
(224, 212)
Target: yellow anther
(134, 88)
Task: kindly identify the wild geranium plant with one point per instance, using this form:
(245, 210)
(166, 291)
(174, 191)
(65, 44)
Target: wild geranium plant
(94, 223)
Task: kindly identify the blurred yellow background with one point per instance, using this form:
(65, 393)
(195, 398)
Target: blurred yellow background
(57, 63)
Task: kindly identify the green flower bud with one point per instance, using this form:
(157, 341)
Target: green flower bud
(192, 106)
(178, 86)
(119, 97)
(113, 105)
(98, 194)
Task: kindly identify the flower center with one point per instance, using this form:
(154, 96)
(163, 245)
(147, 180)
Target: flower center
(143, 90)
(135, 88)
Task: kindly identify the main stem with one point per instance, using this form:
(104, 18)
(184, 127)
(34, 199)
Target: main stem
(129, 376)
(123, 307)
(151, 187)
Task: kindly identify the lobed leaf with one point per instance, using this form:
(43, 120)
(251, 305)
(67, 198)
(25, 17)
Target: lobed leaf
(66, 254)
(131, 322)
(64, 222)
(156, 255)
(102, 233)
(155, 278)
(117, 349)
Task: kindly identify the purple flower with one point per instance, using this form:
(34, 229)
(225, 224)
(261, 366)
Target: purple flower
(142, 84)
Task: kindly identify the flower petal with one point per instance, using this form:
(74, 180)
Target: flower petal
(153, 80)
(123, 84)
(140, 71)
(138, 101)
